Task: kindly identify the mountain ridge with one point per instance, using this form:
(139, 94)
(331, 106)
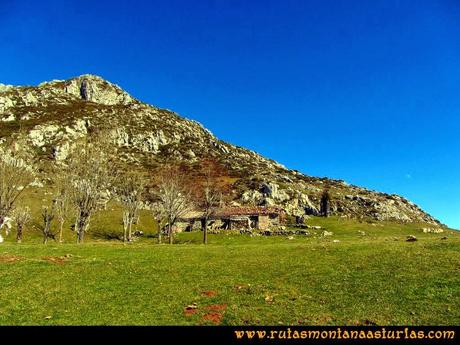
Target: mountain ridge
(52, 116)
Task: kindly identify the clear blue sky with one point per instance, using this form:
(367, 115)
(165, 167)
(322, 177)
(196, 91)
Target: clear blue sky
(365, 91)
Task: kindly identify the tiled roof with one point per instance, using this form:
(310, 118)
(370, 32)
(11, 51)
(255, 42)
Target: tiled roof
(237, 211)
(249, 211)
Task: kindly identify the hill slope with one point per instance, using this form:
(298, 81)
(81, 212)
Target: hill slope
(52, 116)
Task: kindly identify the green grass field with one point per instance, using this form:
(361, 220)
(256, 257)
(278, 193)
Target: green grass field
(236, 279)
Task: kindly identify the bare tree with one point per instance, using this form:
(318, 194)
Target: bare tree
(211, 187)
(129, 188)
(325, 203)
(15, 176)
(48, 215)
(62, 203)
(159, 216)
(21, 217)
(174, 197)
(210, 199)
(91, 175)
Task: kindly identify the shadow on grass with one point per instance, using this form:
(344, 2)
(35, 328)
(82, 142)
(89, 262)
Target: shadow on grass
(109, 235)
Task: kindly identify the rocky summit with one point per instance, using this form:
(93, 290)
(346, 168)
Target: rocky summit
(52, 117)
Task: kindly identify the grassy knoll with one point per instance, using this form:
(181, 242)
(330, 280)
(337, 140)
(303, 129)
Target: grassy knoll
(236, 279)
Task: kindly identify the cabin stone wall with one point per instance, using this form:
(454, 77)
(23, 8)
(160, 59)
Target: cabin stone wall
(234, 222)
(264, 222)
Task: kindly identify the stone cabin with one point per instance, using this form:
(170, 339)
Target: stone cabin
(235, 218)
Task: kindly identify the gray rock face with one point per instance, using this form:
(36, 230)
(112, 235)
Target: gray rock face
(5, 103)
(56, 114)
(95, 89)
(88, 88)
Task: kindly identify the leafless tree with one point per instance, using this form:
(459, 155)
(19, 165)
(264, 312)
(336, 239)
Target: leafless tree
(325, 203)
(129, 188)
(21, 217)
(15, 176)
(159, 216)
(174, 197)
(62, 202)
(210, 201)
(210, 190)
(91, 175)
(48, 215)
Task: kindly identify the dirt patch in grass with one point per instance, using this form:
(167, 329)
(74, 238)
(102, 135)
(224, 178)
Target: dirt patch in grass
(216, 307)
(10, 258)
(214, 317)
(190, 312)
(209, 293)
(215, 313)
(58, 260)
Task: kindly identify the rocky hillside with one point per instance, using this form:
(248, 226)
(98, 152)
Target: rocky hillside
(51, 117)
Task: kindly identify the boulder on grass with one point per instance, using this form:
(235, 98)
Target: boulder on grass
(411, 238)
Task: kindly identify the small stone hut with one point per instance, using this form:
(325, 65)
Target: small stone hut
(235, 218)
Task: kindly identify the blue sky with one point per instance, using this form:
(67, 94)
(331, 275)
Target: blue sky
(365, 91)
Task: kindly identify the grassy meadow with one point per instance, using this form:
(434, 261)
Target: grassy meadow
(345, 279)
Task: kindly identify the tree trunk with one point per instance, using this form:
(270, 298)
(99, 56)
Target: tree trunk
(205, 231)
(61, 229)
(159, 233)
(170, 233)
(130, 225)
(80, 236)
(46, 231)
(82, 225)
(125, 229)
(80, 231)
(19, 235)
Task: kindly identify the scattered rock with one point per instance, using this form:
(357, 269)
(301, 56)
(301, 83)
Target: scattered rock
(268, 298)
(190, 309)
(9, 118)
(191, 306)
(326, 233)
(368, 323)
(36, 183)
(432, 230)
(246, 232)
(411, 238)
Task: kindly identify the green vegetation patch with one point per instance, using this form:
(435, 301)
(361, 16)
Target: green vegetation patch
(347, 278)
